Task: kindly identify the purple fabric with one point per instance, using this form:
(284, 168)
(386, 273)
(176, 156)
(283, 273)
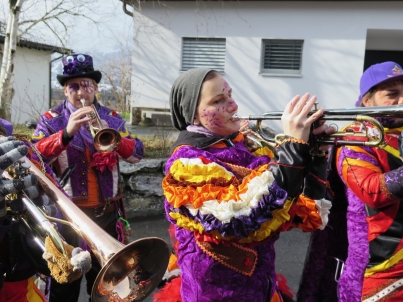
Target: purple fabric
(347, 152)
(200, 129)
(241, 225)
(394, 182)
(238, 155)
(378, 74)
(204, 279)
(75, 64)
(350, 283)
(8, 126)
(78, 146)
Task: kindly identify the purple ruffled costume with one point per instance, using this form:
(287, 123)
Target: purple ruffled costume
(203, 277)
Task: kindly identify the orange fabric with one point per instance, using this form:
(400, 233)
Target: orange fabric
(21, 291)
(220, 145)
(306, 210)
(172, 264)
(178, 195)
(276, 297)
(93, 194)
(363, 179)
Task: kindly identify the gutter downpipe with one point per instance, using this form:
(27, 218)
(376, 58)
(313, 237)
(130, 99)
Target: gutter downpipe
(50, 79)
(127, 12)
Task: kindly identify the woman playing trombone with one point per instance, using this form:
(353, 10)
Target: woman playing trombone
(228, 205)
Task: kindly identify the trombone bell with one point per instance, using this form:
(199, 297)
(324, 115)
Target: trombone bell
(129, 272)
(133, 272)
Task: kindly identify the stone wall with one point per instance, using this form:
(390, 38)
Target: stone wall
(143, 192)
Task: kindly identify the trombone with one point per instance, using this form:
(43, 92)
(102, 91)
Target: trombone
(105, 139)
(362, 115)
(129, 272)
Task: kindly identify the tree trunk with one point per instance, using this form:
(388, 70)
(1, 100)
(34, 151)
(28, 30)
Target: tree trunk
(7, 64)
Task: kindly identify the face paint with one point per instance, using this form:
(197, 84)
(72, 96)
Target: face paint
(216, 107)
(85, 85)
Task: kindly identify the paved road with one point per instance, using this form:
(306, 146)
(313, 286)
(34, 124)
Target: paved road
(290, 248)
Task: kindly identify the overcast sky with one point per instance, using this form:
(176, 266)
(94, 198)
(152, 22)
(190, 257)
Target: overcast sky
(113, 25)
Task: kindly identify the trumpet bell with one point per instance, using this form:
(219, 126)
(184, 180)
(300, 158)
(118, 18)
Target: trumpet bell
(133, 272)
(107, 140)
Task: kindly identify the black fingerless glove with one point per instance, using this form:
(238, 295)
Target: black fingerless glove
(288, 166)
(315, 180)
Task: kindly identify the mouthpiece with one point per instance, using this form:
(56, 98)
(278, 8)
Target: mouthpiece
(236, 118)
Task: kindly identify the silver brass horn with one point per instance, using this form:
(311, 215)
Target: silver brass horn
(360, 114)
(129, 272)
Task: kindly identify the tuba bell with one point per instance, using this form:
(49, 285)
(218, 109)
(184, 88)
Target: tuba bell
(129, 272)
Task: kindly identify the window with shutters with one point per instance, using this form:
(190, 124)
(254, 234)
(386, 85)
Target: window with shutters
(203, 52)
(282, 57)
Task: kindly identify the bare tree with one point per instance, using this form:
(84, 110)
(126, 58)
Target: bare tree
(49, 19)
(116, 70)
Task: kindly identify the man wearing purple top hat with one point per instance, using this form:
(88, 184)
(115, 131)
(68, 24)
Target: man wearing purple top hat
(90, 177)
(365, 229)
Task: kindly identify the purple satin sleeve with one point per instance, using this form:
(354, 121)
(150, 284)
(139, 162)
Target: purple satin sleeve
(394, 182)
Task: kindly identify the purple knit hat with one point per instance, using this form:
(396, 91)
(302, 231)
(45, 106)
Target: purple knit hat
(78, 66)
(379, 74)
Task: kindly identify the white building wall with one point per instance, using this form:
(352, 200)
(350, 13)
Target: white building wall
(334, 35)
(31, 84)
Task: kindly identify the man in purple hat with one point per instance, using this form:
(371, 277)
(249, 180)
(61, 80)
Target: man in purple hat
(89, 176)
(365, 229)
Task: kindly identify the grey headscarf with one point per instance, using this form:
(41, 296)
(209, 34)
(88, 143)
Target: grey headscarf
(184, 96)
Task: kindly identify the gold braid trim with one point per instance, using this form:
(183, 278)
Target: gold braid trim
(292, 140)
(241, 259)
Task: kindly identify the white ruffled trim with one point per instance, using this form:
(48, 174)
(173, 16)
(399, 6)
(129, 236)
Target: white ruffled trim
(323, 206)
(172, 274)
(226, 210)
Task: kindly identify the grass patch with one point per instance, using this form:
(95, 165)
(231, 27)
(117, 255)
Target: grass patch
(124, 115)
(155, 147)
(22, 129)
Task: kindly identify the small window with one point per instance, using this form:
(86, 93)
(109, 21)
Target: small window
(282, 57)
(203, 52)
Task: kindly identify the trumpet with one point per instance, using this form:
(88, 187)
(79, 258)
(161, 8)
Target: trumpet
(105, 139)
(129, 273)
(362, 115)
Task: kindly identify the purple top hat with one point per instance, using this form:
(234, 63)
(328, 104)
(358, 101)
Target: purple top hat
(78, 66)
(379, 74)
